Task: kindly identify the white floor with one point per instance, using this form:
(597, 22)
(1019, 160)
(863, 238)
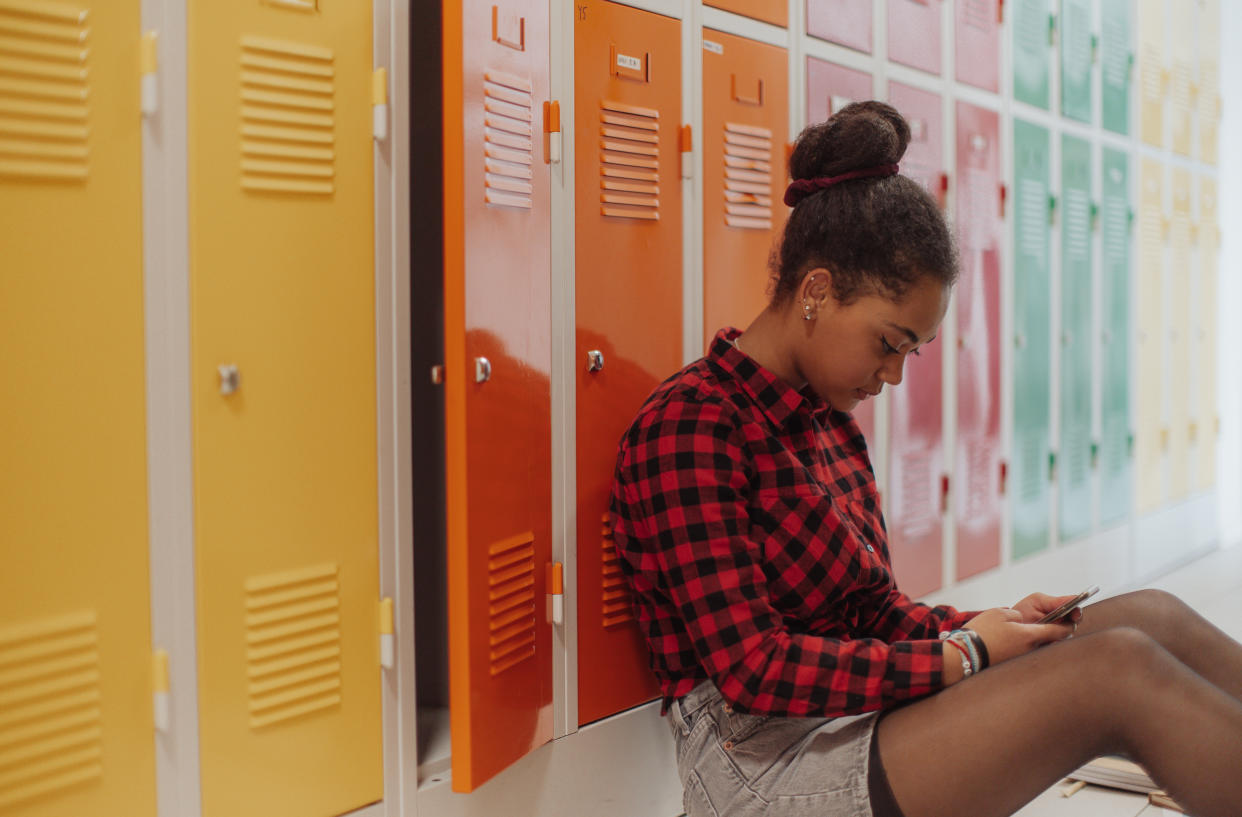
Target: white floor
(1213, 586)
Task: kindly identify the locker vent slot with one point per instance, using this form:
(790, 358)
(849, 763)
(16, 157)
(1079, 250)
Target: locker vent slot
(288, 117)
(44, 91)
(919, 510)
(511, 601)
(51, 731)
(1034, 465)
(981, 482)
(293, 643)
(508, 146)
(629, 161)
(614, 590)
(748, 176)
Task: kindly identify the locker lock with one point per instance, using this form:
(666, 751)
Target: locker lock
(230, 378)
(482, 370)
(595, 360)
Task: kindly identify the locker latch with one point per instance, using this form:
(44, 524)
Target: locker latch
(148, 64)
(1004, 476)
(159, 684)
(944, 493)
(387, 647)
(556, 590)
(1004, 194)
(379, 104)
(687, 148)
(552, 127)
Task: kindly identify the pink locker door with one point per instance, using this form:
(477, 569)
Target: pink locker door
(847, 22)
(976, 25)
(830, 87)
(914, 33)
(916, 445)
(977, 459)
(497, 258)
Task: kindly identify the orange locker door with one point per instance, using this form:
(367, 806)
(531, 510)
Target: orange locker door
(498, 401)
(769, 12)
(745, 129)
(75, 632)
(628, 234)
(283, 400)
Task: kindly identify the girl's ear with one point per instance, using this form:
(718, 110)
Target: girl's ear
(816, 287)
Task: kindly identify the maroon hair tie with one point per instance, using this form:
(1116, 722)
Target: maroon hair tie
(802, 188)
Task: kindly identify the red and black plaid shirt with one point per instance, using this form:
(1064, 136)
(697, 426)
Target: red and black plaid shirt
(746, 517)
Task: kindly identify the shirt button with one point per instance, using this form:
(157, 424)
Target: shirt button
(870, 549)
(728, 744)
(728, 709)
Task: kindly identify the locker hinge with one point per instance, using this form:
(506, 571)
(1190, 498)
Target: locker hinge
(379, 104)
(148, 64)
(1052, 466)
(687, 151)
(1052, 30)
(1004, 476)
(387, 648)
(1095, 217)
(552, 127)
(1095, 455)
(1004, 194)
(556, 590)
(942, 193)
(159, 686)
(1052, 210)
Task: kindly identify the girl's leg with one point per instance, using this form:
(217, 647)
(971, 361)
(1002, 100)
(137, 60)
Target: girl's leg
(1176, 627)
(988, 745)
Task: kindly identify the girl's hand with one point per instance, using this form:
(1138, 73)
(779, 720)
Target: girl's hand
(1006, 634)
(1037, 605)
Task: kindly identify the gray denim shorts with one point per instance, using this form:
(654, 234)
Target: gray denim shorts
(735, 765)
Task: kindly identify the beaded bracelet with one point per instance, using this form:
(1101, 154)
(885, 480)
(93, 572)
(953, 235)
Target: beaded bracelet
(967, 670)
(982, 648)
(973, 661)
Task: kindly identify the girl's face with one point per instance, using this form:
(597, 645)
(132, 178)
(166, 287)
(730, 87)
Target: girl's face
(850, 351)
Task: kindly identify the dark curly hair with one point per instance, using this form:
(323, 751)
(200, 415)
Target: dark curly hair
(877, 235)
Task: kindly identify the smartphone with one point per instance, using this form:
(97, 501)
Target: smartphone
(1064, 610)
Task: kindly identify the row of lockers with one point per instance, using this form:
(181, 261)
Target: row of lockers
(632, 165)
(1089, 49)
(262, 143)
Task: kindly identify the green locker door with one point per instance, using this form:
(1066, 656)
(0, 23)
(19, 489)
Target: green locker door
(1116, 64)
(1116, 228)
(1074, 449)
(1032, 371)
(76, 732)
(1077, 58)
(1033, 24)
(283, 380)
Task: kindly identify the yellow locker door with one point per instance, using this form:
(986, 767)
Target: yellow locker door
(1150, 440)
(282, 297)
(1208, 420)
(75, 649)
(1178, 338)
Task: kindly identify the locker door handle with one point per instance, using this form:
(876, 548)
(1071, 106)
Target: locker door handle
(595, 360)
(482, 370)
(230, 378)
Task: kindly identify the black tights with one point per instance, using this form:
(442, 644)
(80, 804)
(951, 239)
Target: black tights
(1145, 676)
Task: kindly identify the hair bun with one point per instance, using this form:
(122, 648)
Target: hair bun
(860, 135)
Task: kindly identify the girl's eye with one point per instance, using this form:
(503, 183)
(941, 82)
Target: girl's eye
(888, 347)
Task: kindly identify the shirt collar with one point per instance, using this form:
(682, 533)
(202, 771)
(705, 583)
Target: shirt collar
(774, 396)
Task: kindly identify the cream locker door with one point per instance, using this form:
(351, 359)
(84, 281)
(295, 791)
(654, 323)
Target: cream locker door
(75, 647)
(282, 297)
